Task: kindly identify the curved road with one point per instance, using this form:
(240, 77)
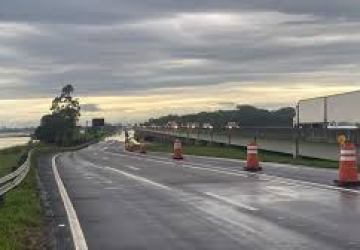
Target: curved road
(131, 201)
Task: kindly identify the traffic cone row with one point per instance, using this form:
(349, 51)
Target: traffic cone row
(348, 170)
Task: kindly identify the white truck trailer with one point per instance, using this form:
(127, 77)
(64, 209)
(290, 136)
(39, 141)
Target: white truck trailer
(341, 110)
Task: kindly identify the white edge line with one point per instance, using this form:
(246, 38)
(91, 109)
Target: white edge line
(75, 227)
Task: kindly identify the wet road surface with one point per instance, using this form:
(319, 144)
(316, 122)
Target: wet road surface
(131, 201)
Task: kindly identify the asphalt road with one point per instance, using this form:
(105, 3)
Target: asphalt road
(131, 201)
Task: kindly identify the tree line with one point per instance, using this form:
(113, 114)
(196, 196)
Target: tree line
(243, 115)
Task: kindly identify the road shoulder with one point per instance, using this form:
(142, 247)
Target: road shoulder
(55, 215)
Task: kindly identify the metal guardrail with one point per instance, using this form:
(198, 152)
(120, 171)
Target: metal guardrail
(13, 179)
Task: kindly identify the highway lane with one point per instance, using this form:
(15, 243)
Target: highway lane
(131, 201)
(303, 173)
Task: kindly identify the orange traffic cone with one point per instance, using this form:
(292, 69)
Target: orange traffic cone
(177, 150)
(348, 172)
(252, 163)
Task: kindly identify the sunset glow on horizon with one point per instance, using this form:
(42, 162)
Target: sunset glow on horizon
(131, 61)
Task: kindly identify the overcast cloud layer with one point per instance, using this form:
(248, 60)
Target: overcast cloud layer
(137, 48)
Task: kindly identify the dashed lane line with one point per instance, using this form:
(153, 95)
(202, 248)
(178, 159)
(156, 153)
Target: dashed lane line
(231, 202)
(138, 178)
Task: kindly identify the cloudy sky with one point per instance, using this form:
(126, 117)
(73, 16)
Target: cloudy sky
(134, 59)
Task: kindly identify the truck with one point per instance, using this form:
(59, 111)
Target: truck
(334, 111)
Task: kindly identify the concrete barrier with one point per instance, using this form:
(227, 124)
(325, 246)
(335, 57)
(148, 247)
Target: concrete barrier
(308, 147)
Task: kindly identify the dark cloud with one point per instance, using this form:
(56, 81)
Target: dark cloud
(107, 47)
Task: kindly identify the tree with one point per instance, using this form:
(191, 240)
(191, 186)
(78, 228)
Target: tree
(60, 126)
(244, 115)
(65, 105)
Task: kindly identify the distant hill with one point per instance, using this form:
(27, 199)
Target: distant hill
(243, 115)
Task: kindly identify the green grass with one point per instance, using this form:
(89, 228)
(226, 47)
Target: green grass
(21, 223)
(9, 159)
(240, 153)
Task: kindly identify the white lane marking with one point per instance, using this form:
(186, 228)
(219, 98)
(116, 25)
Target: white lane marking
(272, 164)
(215, 170)
(105, 182)
(75, 227)
(132, 167)
(112, 188)
(242, 173)
(138, 178)
(283, 192)
(283, 180)
(231, 202)
(188, 165)
(279, 179)
(147, 181)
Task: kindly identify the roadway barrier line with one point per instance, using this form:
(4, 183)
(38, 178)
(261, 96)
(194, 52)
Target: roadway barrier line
(264, 164)
(75, 227)
(242, 173)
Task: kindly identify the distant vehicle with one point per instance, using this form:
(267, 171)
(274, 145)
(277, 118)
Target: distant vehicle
(334, 111)
(193, 125)
(231, 125)
(207, 126)
(172, 124)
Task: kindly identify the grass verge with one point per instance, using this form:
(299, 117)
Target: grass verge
(21, 214)
(240, 153)
(22, 224)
